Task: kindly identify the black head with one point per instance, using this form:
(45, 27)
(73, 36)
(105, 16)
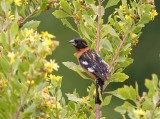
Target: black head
(79, 43)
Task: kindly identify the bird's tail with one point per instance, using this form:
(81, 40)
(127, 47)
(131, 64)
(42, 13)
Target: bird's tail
(99, 90)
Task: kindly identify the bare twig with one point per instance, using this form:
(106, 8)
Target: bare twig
(27, 17)
(118, 51)
(22, 104)
(119, 48)
(98, 27)
(98, 48)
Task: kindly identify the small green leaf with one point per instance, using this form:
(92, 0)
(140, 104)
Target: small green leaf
(119, 77)
(73, 97)
(14, 30)
(107, 100)
(65, 22)
(3, 40)
(31, 24)
(106, 45)
(110, 30)
(112, 3)
(66, 7)
(127, 92)
(76, 68)
(145, 18)
(60, 14)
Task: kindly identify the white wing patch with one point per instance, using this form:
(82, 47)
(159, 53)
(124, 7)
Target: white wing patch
(90, 70)
(85, 62)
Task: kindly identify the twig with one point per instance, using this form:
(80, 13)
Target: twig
(119, 48)
(98, 48)
(27, 17)
(22, 104)
(118, 51)
(98, 27)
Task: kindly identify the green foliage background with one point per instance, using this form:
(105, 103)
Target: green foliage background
(146, 57)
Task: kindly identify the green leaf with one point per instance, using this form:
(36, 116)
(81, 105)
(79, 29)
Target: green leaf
(76, 68)
(107, 100)
(66, 7)
(65, 22)
(3, 40)
(14, 30)
(124, 108)
(112, 3)
(110, 30)
(127, 92)
(119, 77)
(73, 97)
(60, 14)
(145, 18)
(106, 45)
(83, 31)
(152, 85)
(31, 25)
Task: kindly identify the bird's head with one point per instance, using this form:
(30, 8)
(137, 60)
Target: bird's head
(78, 43)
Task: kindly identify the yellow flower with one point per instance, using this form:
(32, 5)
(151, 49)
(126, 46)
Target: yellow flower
(139, 112)
(54, 77)
(127, 17)
(122, 7)
(153, 14)
(50, 66)
(133, 35)
(30, 81)
(46, 35)
(10, 16)
(121, 25)
(47, 43)
(45, 90)
(2, 83)
(85, 99)
(11, 56)
(17, 2)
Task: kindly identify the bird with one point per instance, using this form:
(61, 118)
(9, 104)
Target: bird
(92, 64)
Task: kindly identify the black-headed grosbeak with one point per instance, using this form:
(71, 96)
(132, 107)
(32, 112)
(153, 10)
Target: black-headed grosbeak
(92, 63)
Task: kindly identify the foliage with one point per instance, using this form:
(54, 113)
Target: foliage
(28, 86)
(118, 35)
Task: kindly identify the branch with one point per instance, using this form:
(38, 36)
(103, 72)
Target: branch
(98, 48)
(22, 104)
(98, 27)
(119, 48)
(27, 17)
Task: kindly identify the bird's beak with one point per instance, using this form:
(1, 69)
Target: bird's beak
(72, 42)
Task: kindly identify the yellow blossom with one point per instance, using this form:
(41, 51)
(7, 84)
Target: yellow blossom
(8, 15)
(122, 7)
(17, 2)
(127, 17)
(46, 35)
(2, 83)
(50, 66)
(153, 14)
(139, 112)
(85, 99)
(11, 56)
(54, 77)
(45, 90)
(28, 32)
(30, 81)
(133, 35)
(47, 43)
(121, 25)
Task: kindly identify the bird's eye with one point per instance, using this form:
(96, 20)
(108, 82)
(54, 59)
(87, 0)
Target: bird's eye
(76, 41)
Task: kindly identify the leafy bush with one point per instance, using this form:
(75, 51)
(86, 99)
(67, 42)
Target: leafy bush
(28, 86)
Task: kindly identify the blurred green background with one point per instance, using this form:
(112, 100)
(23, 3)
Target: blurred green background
(146, 57)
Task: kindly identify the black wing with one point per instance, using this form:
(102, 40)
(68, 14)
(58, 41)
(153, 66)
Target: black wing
(93, 63)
